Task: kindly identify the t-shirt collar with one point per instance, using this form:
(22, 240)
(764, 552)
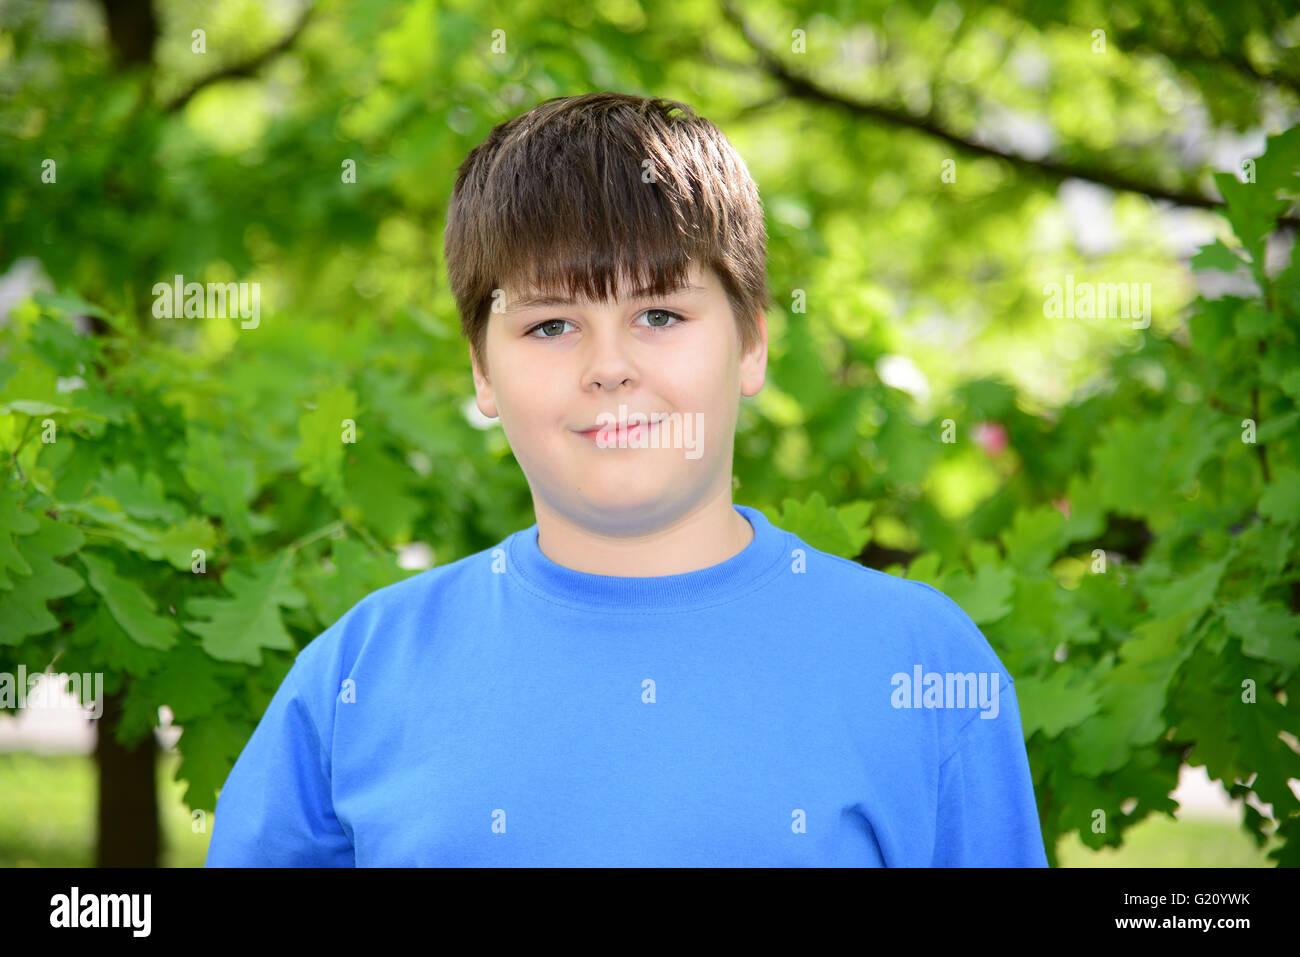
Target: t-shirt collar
(765, 555)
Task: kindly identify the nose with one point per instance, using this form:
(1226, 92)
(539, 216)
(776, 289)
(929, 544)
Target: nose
(608, 365)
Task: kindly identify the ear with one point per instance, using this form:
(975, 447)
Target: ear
(484, 396)
(753, 364)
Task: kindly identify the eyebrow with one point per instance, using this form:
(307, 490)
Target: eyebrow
(535, 302)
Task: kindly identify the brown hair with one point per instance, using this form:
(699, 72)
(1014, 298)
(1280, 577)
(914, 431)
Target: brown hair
(582, 191)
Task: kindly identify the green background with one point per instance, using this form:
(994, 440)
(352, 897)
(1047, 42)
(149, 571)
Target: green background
(1115, 507)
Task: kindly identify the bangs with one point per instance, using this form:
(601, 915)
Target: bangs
(593, 224)
(587, 275)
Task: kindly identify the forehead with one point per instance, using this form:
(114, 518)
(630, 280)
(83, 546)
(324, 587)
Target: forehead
(697, 283)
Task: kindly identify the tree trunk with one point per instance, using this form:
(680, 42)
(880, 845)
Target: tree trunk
(128, 832)
(133, 30)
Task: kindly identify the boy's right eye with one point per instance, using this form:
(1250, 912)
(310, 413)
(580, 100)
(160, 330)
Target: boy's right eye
(549, 323)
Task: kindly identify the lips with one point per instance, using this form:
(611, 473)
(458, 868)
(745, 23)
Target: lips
(647, 416)
(617, 435)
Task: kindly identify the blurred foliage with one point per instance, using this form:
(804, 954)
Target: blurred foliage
(1098, 504)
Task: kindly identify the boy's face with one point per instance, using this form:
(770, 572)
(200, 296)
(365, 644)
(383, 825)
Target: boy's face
(559, 370)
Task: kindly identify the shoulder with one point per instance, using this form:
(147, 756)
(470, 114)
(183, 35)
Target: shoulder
(897, 617)
(408, 607)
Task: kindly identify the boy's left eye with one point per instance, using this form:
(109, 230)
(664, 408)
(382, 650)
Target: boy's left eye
(662, 312)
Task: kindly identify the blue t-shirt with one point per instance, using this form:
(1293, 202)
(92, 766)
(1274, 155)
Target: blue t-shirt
(785, 707)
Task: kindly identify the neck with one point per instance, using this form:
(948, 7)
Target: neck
(707, 535)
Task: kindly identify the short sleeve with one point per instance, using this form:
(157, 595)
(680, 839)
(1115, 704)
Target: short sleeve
(987, 816)
(275, 808)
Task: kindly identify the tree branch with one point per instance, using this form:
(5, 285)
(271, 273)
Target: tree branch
(1137, 39)
(1239, 64)
(1057, 170)
(247, 67)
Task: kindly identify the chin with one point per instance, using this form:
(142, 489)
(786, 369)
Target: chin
(612, 496)
(621, 498)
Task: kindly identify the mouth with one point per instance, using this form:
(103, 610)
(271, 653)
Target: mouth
(616, 436)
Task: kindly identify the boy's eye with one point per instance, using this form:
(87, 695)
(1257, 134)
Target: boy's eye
(551, 324)
(662, 312)
(554, 328)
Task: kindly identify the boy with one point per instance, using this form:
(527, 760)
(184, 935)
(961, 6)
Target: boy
(649, 675)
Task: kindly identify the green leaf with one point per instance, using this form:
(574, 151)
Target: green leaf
(1216, 256)
(357, 572)
(841, 531)
(1144, 464)
(321, 451)
(32, 381)
(1253, 212)
(1287, 854)
(1034, 539)
(1210, 690)
(31, 407)
(1264, 549)
(1268, 630)
(1212, 323)
(925, 568)
(13, 521)
(1051, 705)
(105, 647)
(800, 370)
(174, 545)
(1277, 170)
(225, 483)
(22, 609)
(1158, 639)
(189, 685)
(1213, 749)
(1033, 627)
(209, 747)
(1190, 593)
(378, 486)
(1256, 726)
(985, 596)
(1127, 473)
(140, 497)
(1253, 321)
(1277, 428)
(1134, 695)
(1087, 518)
(1133, 700)
(238, 627)
(1281, 499)
(130, 606)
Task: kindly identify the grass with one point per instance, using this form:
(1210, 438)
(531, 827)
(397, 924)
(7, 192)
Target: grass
(47, 812)
(1160, 842)
(47, 819)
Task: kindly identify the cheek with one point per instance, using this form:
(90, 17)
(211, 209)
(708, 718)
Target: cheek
(701, 377)
(535, 407)
(521, 387)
